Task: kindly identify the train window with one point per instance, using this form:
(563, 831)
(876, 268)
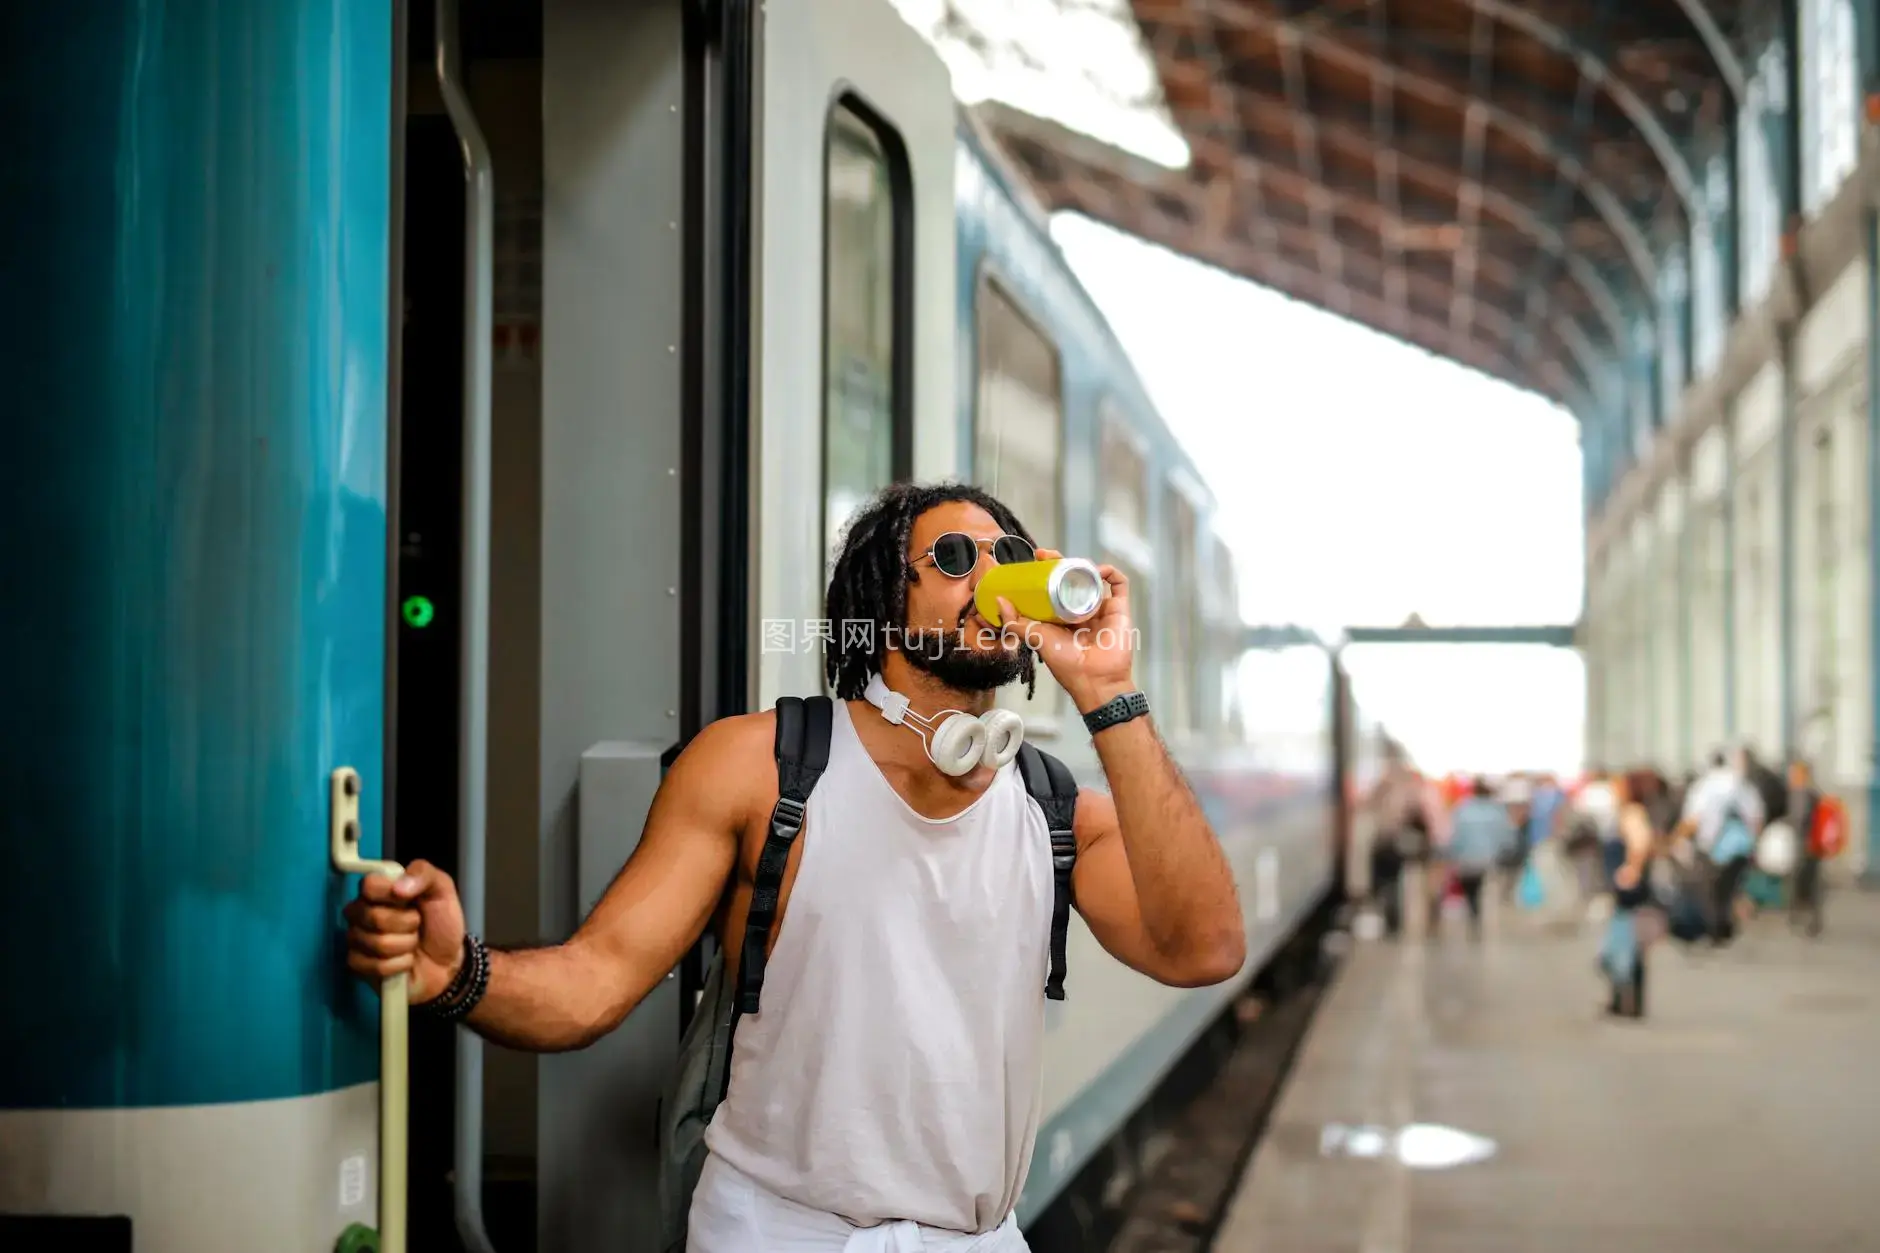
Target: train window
(1018, 432)
(1125, 472)
(1018, 441)
(865, 303)
(1183, 609)
(1221, 631)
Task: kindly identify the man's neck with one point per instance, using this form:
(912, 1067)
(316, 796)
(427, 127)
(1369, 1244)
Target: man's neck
(927, 695)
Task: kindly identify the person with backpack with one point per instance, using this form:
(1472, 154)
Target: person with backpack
(1481, 835)
(1723, 815)
(889, 874)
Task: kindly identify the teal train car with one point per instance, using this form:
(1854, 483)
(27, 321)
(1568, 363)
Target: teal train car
(195, 500)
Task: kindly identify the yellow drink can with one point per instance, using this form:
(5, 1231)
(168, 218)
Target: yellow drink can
(1066, 591)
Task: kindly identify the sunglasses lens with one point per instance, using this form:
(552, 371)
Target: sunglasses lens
(955, 554)
(1008, 549)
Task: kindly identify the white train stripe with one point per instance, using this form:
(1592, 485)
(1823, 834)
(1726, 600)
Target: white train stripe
(287, 1176)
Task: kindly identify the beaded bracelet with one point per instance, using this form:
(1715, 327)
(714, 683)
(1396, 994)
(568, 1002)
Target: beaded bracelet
(467, 988)
(479, 966)
(465, 969)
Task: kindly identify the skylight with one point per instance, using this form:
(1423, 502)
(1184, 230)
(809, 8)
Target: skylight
(1081, 63)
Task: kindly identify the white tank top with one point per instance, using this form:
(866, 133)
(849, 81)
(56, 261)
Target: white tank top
(894, 1071)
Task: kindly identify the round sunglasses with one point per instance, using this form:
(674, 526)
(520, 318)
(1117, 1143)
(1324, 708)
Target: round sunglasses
(956, 553)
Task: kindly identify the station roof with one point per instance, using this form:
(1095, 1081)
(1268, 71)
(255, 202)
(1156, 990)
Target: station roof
(1486, 179)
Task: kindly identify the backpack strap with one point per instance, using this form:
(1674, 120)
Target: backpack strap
(803, 728)
(1052, 785)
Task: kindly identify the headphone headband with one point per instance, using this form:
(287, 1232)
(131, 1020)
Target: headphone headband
(964, 740)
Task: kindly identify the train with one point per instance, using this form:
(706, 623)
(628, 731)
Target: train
(470, 398)
(1257, 735)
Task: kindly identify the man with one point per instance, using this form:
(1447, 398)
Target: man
(1547, 813)
(1544, 836)
(1399, 833)
(1480, 836)
(892, 1079)
(1723, 814)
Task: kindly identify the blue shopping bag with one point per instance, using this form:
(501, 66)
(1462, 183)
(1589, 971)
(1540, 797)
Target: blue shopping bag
(1531, 894)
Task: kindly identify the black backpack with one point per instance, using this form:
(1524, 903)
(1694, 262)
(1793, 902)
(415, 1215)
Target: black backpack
(703, 1074)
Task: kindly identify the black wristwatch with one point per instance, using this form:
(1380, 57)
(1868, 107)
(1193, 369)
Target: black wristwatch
(1125, 707)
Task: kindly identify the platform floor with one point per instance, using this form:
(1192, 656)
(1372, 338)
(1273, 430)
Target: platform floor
(1741, 1116)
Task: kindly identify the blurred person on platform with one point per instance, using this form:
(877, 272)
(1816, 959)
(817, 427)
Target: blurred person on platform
(1547, 811)
(1804, 809)
(1627, 859)
(1545, 833)
(1723, 814)
(1399, 832)
(1481, 834)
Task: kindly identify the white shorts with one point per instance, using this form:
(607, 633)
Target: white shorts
(732, 1214)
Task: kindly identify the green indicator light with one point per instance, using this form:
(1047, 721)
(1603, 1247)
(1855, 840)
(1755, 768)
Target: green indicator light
(419, 611)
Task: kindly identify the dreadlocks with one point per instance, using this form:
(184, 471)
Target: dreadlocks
(872, 571)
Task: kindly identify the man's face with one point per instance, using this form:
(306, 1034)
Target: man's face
(946, 637)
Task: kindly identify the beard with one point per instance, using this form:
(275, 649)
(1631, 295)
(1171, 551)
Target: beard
(949, 658)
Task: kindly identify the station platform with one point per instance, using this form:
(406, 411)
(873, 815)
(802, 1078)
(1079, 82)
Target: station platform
(1741, 1115)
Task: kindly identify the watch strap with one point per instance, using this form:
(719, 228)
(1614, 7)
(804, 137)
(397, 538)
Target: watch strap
(1122, 709)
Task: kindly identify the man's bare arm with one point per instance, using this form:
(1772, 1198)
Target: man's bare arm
(568, 995)
(1151, 879)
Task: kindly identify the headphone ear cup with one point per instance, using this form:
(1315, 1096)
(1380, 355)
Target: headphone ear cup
(958, 744)
(1005, 732)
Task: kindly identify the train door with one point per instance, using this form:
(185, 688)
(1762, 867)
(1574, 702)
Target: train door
(855, 302)
(677, 292)
(747, 240)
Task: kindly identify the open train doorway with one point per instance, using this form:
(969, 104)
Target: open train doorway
(464, 565)
(547, 544)
(427, 590)
(438, 578)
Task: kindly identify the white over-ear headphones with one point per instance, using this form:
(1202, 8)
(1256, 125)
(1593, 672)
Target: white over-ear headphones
(963, 740)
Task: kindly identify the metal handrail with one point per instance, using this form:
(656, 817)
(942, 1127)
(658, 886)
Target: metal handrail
(472, 764)
(343, 788)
